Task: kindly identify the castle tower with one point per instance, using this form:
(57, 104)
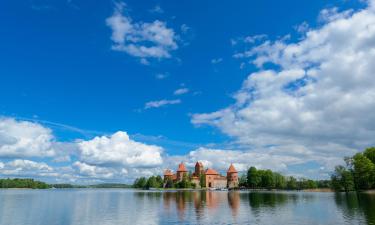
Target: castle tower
(181, 171)
(199, 169)
(232, 177)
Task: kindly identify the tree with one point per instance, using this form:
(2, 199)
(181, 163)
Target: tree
(151, 182)
(169, 183)
(159, 181)
(342, 179)
(280, 182)
(253, 178)
(140, 182)
(291, 183)
(363, 172)
(243, 181)
(370, 154)
(202, 181)
(267, 179)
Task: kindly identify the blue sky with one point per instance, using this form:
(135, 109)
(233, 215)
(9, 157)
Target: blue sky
(181, 76)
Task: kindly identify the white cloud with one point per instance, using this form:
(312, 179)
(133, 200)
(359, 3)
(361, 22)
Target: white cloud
(94, 171)
(24, 139)
(140, 39)
(303, 27)
(217, 60)
(185, 28)
(29, 165)
(161, 76)
(160, 103)
(181, 91)
(331, 14)
(254, 38)
(319, 105)
(119, 149)
(157, 9)
(26, 168)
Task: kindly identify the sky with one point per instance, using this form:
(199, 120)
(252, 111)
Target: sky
(107, 91)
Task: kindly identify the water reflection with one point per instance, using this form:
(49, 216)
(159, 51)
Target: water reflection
(91, 207)
(354, 205)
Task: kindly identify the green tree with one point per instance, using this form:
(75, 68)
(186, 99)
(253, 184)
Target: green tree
(370, 154)
(363, 172)
(151, 182)
(140, 182)
(159, 181)
(253, 178)
(202, 181)
(267, 179)
(169, 183)
(291, 183)
(342, 179)
(242, 181)
(280, 182)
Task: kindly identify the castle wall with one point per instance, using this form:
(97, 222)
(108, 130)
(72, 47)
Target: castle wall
(216, 181)
(220, 182)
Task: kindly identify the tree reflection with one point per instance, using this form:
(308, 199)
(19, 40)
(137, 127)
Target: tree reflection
(270, 200)
(356, 205)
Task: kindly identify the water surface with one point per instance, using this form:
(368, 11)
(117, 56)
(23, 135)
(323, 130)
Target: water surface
(122, 206)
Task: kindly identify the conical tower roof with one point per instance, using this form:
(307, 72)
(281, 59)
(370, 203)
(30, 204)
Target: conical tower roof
(232, 169)
(168, 173)
(181, 167)
(211, 172)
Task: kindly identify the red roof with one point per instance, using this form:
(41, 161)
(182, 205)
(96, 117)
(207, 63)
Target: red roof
(211, 172)
(181, 168)
(232, 169)
(168, 173)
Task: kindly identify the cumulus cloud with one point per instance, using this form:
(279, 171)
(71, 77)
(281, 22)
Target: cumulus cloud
(121, 150)
(217, 60)
(160, 103)
(29, 165)
(24, 139)
(221, 159)
(318, 105)
(140, 39)
(28, 168)
(181, 91)
(161, 76)
(94, 171)
(157, 9)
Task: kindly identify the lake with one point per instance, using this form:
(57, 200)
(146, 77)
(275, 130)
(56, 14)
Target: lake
(126, 206)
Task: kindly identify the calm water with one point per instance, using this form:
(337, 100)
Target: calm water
(116, 206)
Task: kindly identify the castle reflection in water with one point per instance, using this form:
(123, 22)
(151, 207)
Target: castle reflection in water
(201, 201)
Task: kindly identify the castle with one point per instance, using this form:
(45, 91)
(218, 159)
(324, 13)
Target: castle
(211, 177)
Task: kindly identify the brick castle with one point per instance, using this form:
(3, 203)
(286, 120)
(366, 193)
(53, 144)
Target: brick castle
(211, 177)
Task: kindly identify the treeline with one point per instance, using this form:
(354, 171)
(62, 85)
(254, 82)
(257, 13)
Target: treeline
(147, 183)
(22, 183)
(158, 182)
(34, 184)
(267, 179)
(358, 174)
